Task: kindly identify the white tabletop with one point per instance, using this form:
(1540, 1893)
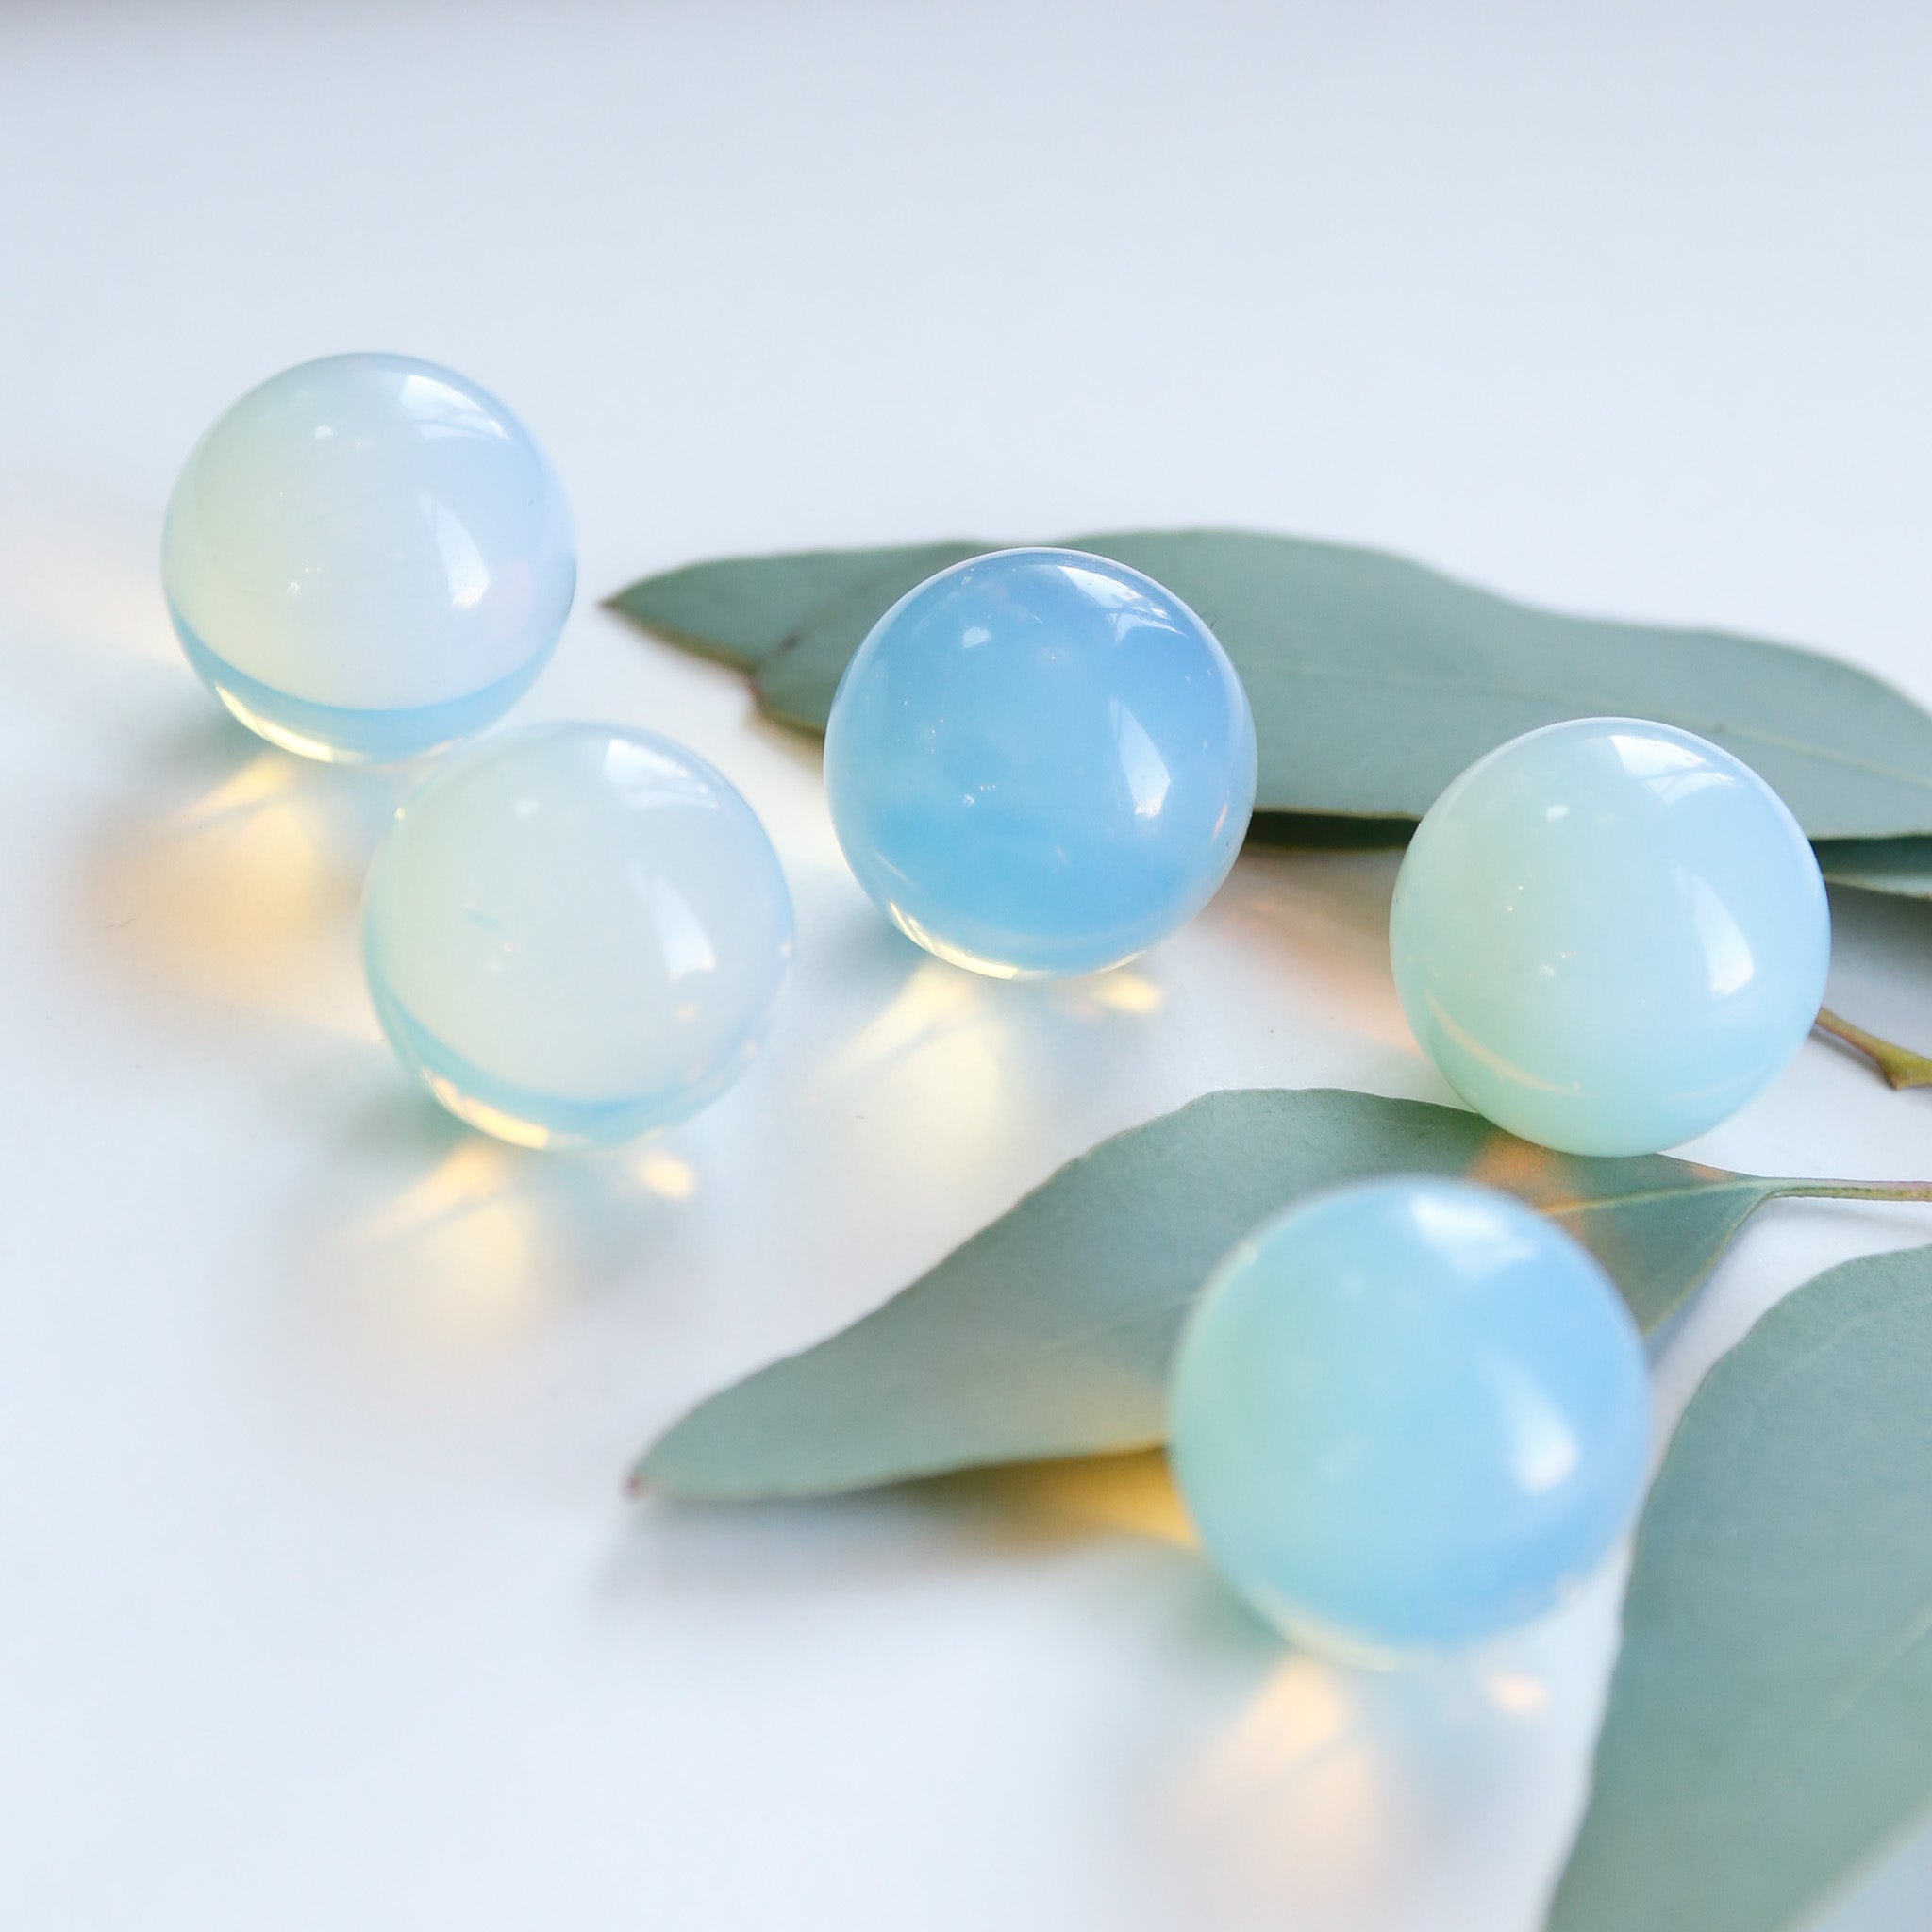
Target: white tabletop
(319, 1603)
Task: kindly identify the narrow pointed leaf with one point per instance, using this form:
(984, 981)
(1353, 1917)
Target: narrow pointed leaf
(742, 609)
(1049, 1333)
(791, 680)
(1374, 680)
(1901, 866)
(1329, 831)
(1770, 1723)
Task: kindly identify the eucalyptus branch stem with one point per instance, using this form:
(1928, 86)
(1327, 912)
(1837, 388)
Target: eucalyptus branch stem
(1858, 1191)
(1900, 1065)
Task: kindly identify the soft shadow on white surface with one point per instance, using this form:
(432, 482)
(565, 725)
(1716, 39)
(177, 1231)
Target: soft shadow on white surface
(1260, 1785)
(230, 873)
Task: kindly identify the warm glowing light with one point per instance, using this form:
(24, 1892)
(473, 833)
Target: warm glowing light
(1294, 1796)
(1129, 993)
(930, 1002)
(469, 1174)
(1132, 1494)
(1518, 1694)
(246, 895)
(954, 956)
(491, 1120)
(1302, 1711)
(934, 1051)
(261, 778)
(455, 1268)
(1520, 1168)
(667, 1175)
(296, 742)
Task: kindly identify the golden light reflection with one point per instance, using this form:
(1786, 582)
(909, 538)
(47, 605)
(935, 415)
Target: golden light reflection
(249, 895)
(456, 1273)
(1105, 996)
(487, 1118)
(1293, 1795)
(935, 1044)
(296, 742)
(1131, 1494)
(1302, 1711)
(264, 777)
(953, 1058)
(470, 1284)
(1534, 1173)
(470, 1173)
(1547, 1181)
(1517, 1694)
(954, 956)
(1127, 992)
(931, 1001)
(457, 1267)
(666, 1174)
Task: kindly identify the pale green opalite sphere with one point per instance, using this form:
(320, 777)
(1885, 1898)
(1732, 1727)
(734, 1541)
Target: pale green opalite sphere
(575, 933)
(367, 557)
(1609, 935)
(1407, 1415)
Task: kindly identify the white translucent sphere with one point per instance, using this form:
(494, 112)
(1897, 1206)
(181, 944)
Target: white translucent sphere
(367, 557)
(574, 933)
(1609, 935)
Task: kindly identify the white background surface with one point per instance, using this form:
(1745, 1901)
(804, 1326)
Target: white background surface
(319, 1605)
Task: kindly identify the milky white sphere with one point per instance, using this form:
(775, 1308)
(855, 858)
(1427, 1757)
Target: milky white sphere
(575, 932)
(1609, 935)
(368, 557)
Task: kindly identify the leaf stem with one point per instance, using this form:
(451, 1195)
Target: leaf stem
(1900, 1065)
(1857, 1191)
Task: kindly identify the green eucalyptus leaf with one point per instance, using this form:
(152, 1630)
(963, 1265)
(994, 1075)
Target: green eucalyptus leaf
(1770, 1723)
(740, 610)
(1049, 1333)
(1329, 831)
(1375, 681)
(1901, 866)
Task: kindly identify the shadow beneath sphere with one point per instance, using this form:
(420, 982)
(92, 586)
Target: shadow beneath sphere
(229, 874)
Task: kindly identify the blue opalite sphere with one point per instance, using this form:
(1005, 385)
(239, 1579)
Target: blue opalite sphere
(1609, 935)
(575, 933)
(1040, 762)
(1407, 1415)
(368, 557)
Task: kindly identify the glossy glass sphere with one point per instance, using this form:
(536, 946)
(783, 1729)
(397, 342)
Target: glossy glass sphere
(368, 557)
(1040, 762)
(1407, 1415)
(1609, 935)
(575, 933)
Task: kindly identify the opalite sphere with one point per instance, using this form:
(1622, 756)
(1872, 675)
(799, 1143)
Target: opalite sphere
(368, 557)
(575, 933)
(1408, 1415)
(1040, 762)
(1609, 935)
